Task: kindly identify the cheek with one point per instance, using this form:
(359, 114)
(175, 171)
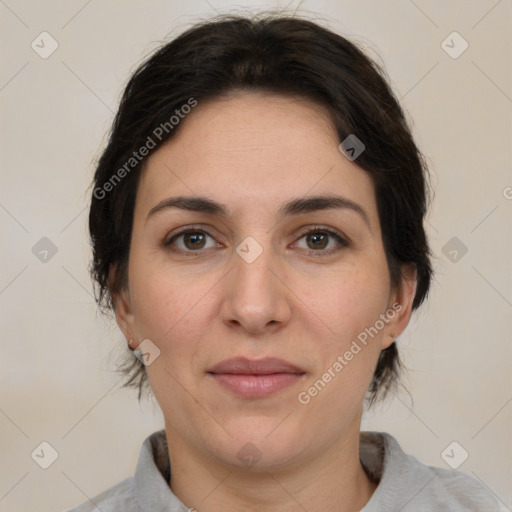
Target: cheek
(162, 297)
(350, 306)
(173, 310)
(352, 299)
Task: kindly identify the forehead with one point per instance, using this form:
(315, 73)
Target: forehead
(254, 149)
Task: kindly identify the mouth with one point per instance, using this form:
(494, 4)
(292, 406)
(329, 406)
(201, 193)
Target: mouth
(255, 378)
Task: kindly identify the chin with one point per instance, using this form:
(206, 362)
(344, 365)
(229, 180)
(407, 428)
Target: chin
(261, 443)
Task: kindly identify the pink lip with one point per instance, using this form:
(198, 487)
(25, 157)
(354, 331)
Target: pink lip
(255, 378)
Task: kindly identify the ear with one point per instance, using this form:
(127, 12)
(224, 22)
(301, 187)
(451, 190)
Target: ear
(123, 309)
(400, 305)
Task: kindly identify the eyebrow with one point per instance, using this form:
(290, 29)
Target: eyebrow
(297, 206)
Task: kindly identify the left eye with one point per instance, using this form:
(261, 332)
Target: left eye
(320, 240)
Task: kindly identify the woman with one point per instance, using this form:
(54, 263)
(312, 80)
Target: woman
(257, 228)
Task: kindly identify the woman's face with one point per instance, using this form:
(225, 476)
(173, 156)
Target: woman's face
(230, 271)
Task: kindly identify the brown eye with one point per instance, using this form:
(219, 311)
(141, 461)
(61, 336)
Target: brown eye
(320, 240)
(190, 241)
(317, 240)
(194, 240)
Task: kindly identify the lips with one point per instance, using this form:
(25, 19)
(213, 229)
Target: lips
(248, 378)
(244, 366)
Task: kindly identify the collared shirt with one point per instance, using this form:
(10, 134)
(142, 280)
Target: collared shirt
(405, 484)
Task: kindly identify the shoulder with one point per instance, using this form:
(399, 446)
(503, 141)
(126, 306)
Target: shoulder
(119, 497)
(409, 485)
(148, 489)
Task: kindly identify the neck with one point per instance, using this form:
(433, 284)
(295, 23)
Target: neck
(334, 481)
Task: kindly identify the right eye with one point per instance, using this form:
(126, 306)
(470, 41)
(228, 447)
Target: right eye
(190, 240)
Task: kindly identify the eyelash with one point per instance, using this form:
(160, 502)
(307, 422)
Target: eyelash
(315, 230)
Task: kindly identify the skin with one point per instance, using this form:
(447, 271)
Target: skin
(301, 300)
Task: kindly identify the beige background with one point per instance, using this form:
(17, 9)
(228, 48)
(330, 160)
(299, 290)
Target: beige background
(57, 382)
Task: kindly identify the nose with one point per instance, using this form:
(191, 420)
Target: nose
(256, 299)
